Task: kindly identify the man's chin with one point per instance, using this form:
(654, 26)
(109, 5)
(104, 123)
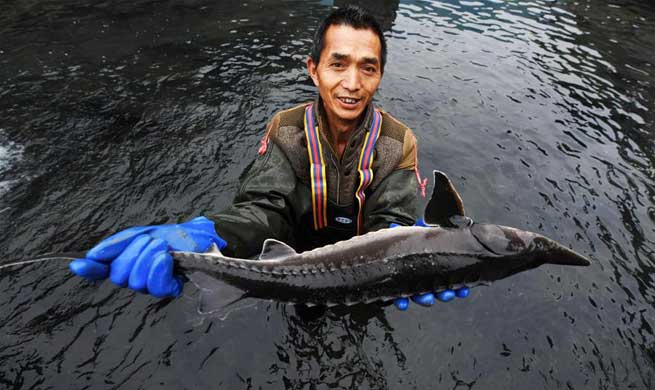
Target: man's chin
(350, 115)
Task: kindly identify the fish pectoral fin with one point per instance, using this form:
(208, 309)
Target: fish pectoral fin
(215, 295)
(444, 204)
(274, 249)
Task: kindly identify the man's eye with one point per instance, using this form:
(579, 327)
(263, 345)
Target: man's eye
(370, 69)
(336, 65)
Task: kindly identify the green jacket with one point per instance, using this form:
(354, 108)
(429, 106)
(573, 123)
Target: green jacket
(274, 196)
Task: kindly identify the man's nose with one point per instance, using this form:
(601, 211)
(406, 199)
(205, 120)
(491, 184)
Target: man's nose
(351, 79)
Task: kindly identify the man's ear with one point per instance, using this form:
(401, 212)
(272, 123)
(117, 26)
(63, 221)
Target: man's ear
(311, 69)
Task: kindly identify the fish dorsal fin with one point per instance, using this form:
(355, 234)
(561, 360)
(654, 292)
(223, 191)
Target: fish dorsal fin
(274, 249)
(445, 202)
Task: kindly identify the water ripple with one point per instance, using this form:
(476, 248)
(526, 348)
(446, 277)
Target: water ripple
(142, 112)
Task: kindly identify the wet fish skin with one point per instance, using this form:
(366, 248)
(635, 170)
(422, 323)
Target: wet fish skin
(383, 265)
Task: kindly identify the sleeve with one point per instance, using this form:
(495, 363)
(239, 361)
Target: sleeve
(263, 207)
(395, 199)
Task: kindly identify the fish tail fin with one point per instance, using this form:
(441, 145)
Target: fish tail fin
(60, 257)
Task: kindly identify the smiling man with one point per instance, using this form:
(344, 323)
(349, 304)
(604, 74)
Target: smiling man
(327, 170)
(334, 167)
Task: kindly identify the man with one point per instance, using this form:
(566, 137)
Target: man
(327, 170)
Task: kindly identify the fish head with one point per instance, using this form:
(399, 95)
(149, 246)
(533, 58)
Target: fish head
(532, 247)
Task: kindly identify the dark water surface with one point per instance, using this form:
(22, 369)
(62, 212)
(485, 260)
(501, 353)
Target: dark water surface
(120, 113)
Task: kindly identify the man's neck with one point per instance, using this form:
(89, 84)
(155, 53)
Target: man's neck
(339, 132)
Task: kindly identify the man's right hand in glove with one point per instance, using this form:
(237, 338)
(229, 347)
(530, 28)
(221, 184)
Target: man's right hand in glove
(139, 257)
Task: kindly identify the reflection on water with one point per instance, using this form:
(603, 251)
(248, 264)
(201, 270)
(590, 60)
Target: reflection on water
(124, 113)
(10, 154)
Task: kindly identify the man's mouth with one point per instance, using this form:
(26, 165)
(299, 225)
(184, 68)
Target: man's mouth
(348, 100)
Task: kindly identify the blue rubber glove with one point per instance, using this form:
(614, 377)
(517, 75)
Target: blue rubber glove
(428, 299)
(139, 257)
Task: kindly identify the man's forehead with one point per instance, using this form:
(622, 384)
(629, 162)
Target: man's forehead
(345, 40)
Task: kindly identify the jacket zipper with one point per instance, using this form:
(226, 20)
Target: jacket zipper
(333, 155)
(338, 179)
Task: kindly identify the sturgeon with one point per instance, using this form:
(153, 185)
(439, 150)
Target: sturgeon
(451, 251)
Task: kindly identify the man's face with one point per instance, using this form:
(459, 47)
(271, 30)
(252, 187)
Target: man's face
(349, 71)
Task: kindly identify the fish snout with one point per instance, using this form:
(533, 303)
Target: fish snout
(553, 252)
(508, 241)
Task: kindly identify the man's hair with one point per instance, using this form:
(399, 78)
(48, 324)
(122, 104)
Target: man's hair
(354, 17)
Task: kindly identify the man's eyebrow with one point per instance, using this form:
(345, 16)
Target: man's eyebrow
(371, 60)
(339, 56)
(365, 60)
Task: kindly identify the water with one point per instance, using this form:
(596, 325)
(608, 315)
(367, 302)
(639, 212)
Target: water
(124, 113)
(9, 154)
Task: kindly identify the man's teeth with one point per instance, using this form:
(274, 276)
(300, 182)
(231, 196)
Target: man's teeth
(349, 100)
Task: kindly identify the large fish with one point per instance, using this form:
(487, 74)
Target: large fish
(381, 265)
(385, 264)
